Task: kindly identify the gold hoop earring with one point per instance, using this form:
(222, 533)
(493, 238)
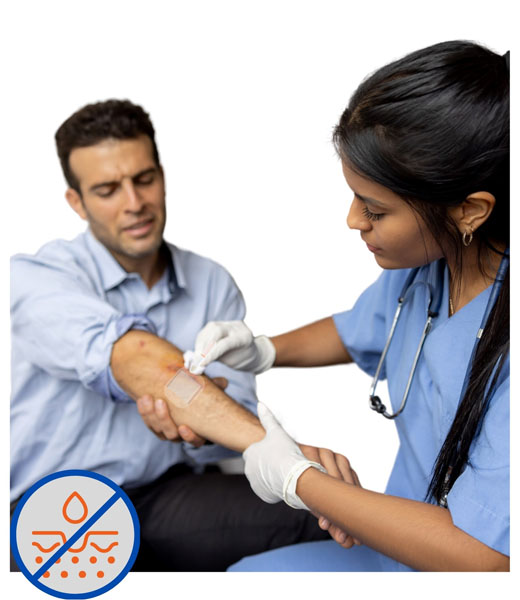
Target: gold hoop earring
(467, 238)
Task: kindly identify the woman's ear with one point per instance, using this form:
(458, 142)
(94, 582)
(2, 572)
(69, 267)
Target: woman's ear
(473, 212)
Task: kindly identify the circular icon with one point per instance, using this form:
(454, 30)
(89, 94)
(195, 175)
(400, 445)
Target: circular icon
(75, 534)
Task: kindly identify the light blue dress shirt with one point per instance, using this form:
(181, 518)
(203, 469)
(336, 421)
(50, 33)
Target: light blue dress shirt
(479, 499)
(69, 303)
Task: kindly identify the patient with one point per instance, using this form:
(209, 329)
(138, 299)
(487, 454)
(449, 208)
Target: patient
(97, 322)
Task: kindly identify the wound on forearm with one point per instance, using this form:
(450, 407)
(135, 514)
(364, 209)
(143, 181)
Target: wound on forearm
(183, 387)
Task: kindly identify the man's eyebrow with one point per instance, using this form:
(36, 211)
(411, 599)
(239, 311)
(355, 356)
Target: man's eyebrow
(146, 171)
(371, 201)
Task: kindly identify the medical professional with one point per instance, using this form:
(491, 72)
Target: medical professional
(424, 147)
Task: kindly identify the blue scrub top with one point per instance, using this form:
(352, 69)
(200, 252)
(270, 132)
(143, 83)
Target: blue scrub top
(479, 499)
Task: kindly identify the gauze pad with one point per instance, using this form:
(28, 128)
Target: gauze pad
(182, 388)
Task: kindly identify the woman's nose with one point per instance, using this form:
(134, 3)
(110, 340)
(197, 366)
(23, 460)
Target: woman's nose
(356, 219)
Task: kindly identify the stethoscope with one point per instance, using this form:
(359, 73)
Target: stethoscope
(434, 302)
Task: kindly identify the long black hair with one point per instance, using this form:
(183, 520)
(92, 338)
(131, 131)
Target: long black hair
(433, 127)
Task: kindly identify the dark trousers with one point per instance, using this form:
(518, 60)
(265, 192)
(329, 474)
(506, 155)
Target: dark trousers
(208, 521)
(12, 563)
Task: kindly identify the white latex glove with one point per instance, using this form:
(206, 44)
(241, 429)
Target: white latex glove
(232, 343)
(274, 464)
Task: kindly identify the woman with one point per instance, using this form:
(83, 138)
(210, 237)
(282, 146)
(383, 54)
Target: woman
(424, 145)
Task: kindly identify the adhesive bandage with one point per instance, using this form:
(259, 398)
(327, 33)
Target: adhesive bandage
(182, 388)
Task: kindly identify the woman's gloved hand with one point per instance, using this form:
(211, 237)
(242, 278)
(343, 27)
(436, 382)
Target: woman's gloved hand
(274, 464)
(232, 343)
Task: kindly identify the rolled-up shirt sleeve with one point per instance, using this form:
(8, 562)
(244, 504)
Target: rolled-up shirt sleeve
(63, 326)
(105, 383)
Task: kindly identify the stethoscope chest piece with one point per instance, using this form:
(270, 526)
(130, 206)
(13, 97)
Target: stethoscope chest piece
(406, 293)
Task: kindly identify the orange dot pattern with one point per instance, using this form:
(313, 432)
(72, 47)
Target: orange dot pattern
(75, 560)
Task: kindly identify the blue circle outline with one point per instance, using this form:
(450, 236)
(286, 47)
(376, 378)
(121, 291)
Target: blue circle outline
(75, 473)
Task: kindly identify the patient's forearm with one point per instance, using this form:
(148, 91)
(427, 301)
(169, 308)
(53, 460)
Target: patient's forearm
(314, 345)
(143, 363)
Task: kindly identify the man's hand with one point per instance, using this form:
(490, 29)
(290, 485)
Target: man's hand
(157, 418)
(337, 466)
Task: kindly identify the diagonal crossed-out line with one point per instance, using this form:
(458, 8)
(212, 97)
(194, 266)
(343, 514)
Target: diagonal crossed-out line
(75, 537)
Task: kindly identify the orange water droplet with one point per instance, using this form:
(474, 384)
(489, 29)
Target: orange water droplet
(77, 504)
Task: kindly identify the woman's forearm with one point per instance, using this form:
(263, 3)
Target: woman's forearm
(314, 345)
(417, 534)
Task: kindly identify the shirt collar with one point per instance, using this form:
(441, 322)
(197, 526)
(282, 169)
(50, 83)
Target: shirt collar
(112, 273)
(176, 278)
(177, 268)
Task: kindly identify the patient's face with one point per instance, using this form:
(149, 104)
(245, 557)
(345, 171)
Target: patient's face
(122, 196)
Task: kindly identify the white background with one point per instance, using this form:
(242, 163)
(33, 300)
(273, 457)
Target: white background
(244, 97)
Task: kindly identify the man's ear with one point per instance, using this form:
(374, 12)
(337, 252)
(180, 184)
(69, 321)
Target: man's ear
(474, 211)
(76, 202)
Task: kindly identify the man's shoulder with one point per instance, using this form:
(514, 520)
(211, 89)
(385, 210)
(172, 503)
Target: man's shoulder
(207, 281)
(58, 254)
(191, 264)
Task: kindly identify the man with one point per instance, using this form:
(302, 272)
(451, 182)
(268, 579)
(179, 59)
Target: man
(98, 323)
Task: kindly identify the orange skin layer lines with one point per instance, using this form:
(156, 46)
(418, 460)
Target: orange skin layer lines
(64, 539)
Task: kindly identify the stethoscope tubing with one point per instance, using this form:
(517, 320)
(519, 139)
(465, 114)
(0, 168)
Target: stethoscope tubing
(374, 401)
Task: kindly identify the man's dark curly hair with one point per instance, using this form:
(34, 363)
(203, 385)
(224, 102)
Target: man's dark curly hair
(119, 119)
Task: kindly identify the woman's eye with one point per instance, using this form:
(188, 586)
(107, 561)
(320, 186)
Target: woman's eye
(371, 216)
